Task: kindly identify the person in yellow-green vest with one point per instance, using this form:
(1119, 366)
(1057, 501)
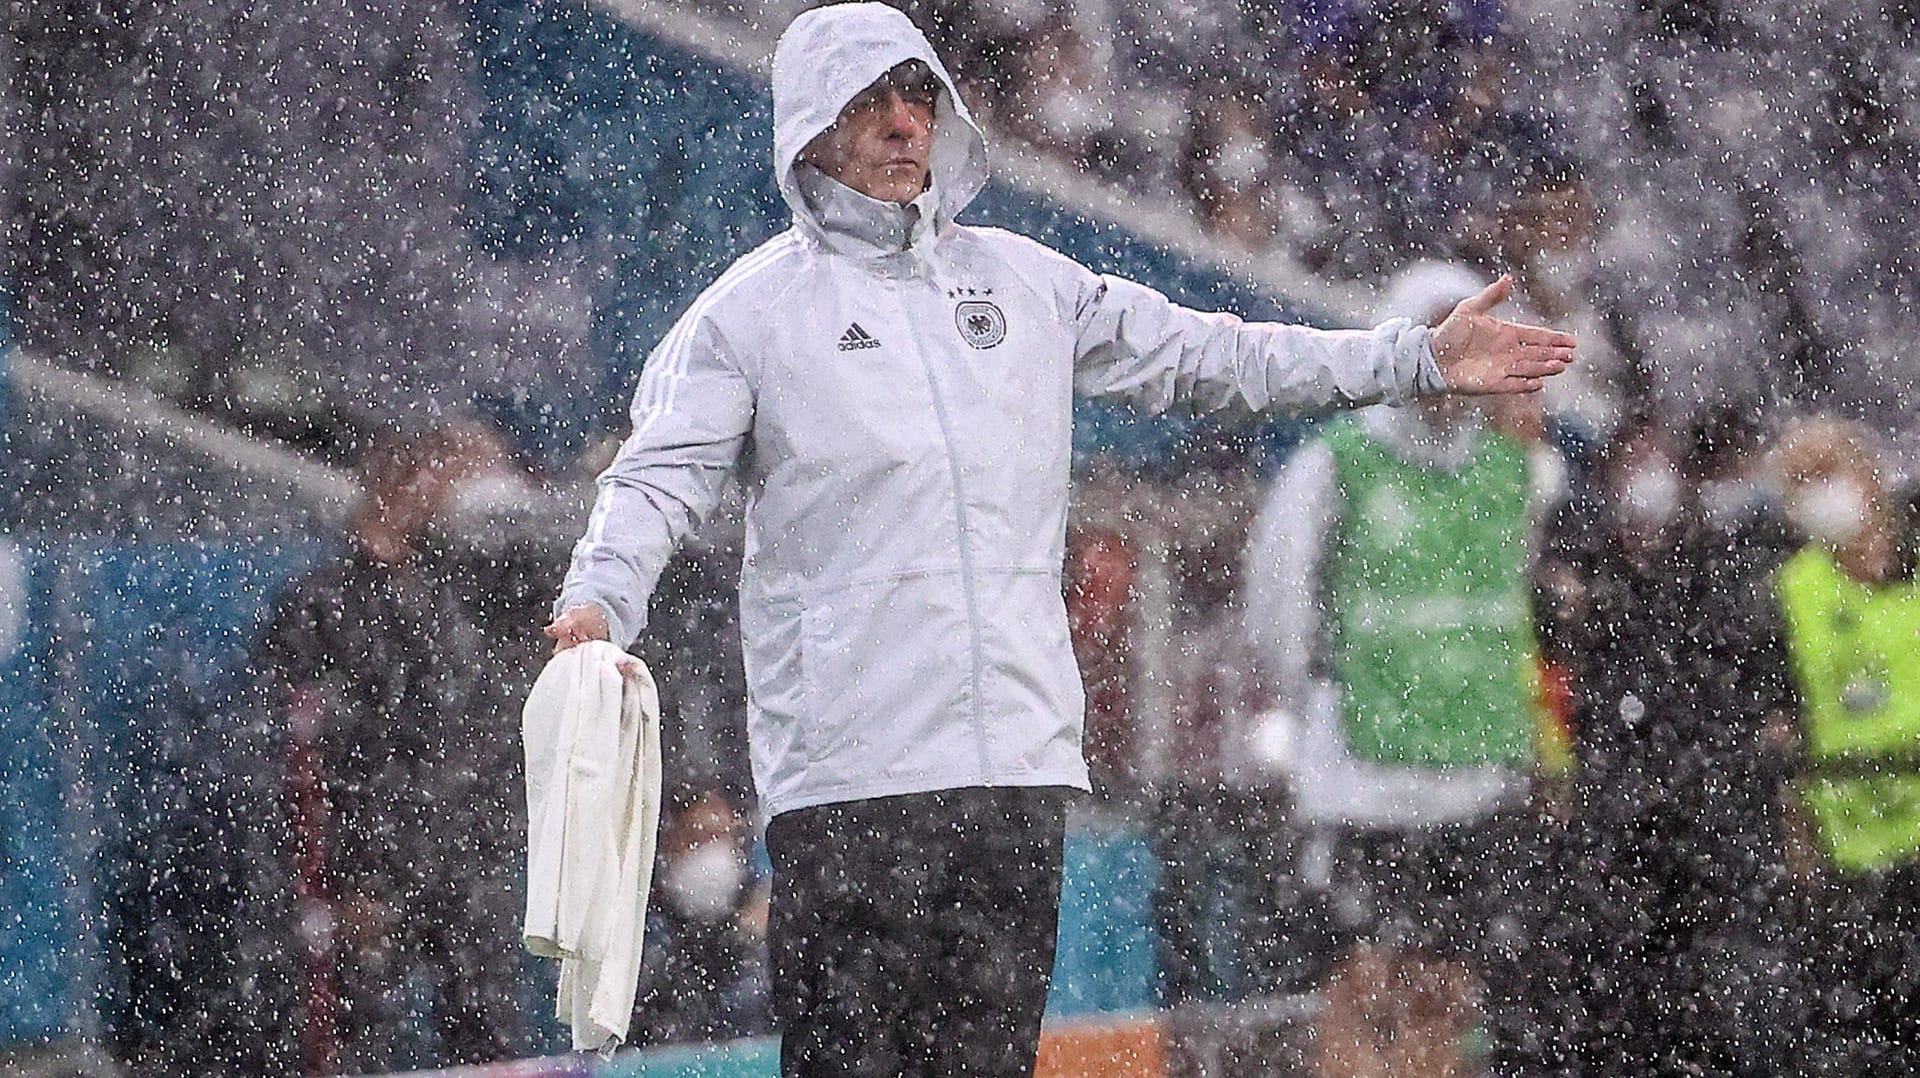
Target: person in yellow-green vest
(1852, 615)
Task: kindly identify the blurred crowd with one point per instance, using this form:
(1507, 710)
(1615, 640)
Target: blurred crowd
(1692, 184)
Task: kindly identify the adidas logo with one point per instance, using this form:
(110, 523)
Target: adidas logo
(855, 337)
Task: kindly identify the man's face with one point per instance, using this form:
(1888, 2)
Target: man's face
(881, 142)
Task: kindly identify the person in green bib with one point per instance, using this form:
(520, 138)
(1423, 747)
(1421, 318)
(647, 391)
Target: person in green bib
(1852, 615)
(1387, 596)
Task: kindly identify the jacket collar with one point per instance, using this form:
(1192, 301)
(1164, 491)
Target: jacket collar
(852, 224)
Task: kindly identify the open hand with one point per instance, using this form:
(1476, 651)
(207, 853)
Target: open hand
(1478, 353)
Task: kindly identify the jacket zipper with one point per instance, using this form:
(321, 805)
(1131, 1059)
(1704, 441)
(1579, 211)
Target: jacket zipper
(976, 647)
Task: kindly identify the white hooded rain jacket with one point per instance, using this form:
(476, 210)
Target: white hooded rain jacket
(894, 392)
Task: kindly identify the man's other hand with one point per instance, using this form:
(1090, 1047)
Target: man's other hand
(577, 625)
(1478, 353)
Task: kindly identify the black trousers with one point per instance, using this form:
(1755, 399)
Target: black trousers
(914, 935)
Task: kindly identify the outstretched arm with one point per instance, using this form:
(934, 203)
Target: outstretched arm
(1136, 344)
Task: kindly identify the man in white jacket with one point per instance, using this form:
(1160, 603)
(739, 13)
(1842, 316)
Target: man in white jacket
(893, 391)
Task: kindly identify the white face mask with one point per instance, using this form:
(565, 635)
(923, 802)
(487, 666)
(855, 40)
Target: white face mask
(487, 493)
(1071, 113)
(1651, 495)
(1831, 512)
(704, 882)
(1239, 162)
(1728, 501)
(1568, 273)
(489, 509)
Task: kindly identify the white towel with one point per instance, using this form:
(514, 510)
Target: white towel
(592, 739)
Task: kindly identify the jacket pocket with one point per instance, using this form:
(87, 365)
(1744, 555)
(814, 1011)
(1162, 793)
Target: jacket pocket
(1033, 684)
(889, 675)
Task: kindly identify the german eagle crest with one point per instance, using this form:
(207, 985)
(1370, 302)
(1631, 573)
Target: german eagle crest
(980, 323)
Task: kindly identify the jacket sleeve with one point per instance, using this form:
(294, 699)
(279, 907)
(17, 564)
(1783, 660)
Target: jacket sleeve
(691, 415)
(1134, 343)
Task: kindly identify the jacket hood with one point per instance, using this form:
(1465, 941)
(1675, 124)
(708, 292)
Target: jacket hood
(830, 54)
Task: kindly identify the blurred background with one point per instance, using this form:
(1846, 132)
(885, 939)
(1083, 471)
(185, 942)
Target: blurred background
(317, 321)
